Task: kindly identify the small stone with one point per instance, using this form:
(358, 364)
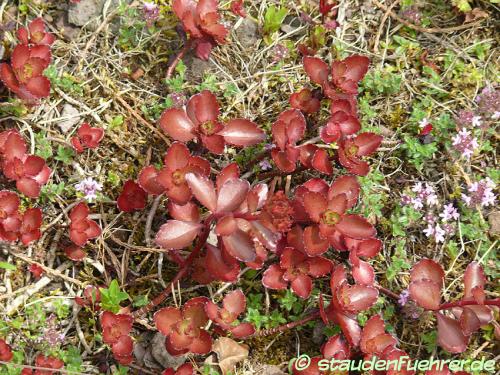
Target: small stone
(66, 29)
(494, 219)
(247, 33)
(87, 12)
(71, 117)
(196, 68)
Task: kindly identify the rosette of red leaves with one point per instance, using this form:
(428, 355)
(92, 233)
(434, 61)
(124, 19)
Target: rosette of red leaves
(200, 120)
(171, 179)
(347, 301)
(376, 342)
(335, 348)
(87, 137)
(351, 150)
(426, 283)
(35, 33)
(343, 121)
(234, 205)
(45, 362)
(305, 101)
(185, 369)
(233, 304)
(15, 225)
(24, 76)
(341, 78)
(329, 212)
(288, 129)
(183, 328)
(132, 197)
(82, 229)
(91, 297)
(116, 329)
(29, 171)
(201, 21)
(298, 269)
(6, 354)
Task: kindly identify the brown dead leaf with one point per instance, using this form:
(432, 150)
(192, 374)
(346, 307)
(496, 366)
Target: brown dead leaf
(229, 353)
(475, 14)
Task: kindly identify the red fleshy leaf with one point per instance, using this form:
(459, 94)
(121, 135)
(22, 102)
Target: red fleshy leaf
(450, 335)
(273, 278)
(224, 268)
(357, 298)
(474, 281)
(427, 269)
(321, 162)
(302, 286)
(203, 189)
(355, 226)
(75, 253)
(132, 197)
(176, 123)
(240, 246)
(316, 69)
(231, 195)
(242, 133)
(314, 243)
(175, 234)
(426, 293)
(6, 354)
(165, 318)
(148, 180)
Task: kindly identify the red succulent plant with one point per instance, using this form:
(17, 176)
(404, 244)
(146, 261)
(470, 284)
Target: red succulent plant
(183, 328)
(87, 137)
(91, 297)
(35, 33)
(201, 21)
(30, 173)
(347, 301)
(35, 270)
(6, 354)
(15, 225)
(233, 205)
(82, 228)
(24, 75)
(298, 269)
(132, 197)
(455, 329)
(200, 120)
(288, 129)
(342, 122)
(47, 362)
(12, 146)
(305, 101)
(341, 78)
(178, 162)
(185, 369)
(237, 8)
(75, 252)
(351, 150)
(233, 305)
(116, 329)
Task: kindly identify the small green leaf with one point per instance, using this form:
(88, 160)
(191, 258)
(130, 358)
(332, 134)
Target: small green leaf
(7, 266)
(112, 297)
(64, 154)
(273, 19)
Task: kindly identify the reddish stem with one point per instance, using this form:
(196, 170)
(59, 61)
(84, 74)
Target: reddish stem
(388, 292)
(202, 239)
(450, 305)
(266, 332)
(170, 70)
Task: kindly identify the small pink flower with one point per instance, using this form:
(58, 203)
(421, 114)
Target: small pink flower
(449, 213)
(480, 193)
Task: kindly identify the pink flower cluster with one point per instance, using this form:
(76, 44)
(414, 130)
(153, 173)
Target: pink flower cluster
(465, 143)
(425, 194)
(480, 193)
(488, 102)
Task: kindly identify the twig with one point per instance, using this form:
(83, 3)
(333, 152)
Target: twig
(266, 332)
(387, 292)
(48, 270)
(382, 23)
(450, 305)
(425, 29)
(149, 220)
